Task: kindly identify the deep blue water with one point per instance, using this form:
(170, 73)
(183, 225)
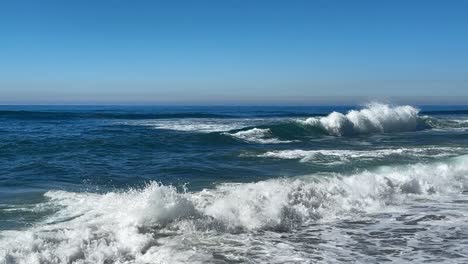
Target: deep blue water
(262, 181)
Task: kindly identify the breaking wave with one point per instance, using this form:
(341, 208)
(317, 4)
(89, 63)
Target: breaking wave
(342, 155)
(376, 118)
(154, 224)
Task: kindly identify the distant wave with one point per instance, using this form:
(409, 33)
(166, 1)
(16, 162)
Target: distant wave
(53, 115)
(376, 118)
(193, 126)
(445, 112)
(99, 114)
(257, 135)
(158, 224)
(340, 156)
(199, 125)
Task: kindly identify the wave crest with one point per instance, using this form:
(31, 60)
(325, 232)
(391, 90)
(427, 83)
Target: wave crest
(284, 203)
(150, 225)
(375, 118)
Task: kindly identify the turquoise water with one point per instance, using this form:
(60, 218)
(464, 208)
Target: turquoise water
(115, 184)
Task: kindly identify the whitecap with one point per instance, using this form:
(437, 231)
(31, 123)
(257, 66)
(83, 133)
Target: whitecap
(326, 156)
(375, 118)
(257, 135)
(158, 224)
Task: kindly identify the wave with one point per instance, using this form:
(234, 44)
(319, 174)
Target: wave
(192, 126)
(257, 135)
(445, 112)
(205, 125)
(135, 114)
(56, 115)
(337, 155)
(452, 124)
(375, 118)
(159, 224)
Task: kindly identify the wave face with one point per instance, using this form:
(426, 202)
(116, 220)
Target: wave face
(158, 224)
(376, 118)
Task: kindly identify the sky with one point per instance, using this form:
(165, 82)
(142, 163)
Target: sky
(232, 51)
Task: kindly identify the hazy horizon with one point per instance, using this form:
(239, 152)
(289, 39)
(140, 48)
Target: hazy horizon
(312, 101)
(232, 52)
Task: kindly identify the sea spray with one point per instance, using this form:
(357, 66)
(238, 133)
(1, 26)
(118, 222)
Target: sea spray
(375, 118)
(129, 227)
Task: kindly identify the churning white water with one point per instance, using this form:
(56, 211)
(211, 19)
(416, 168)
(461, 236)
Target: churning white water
(376, 118)
(267, 221)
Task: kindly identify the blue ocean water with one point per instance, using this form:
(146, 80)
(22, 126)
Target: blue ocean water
(154, 184)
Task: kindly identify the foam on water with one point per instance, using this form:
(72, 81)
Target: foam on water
(157, 224)
(257, 135)
(334, 155)
(207, 128)
(199, 125)
(376, 118)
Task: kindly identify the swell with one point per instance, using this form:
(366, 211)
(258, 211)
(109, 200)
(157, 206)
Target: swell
(126, 226)
(89, 114)
(445, 112)
(55, 115)
(373, 119)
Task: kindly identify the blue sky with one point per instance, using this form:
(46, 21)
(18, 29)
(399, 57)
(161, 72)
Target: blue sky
(220, 52)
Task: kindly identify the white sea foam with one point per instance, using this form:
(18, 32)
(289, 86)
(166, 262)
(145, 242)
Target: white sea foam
(376, 118)
(204, 125)
(207, 128)
(160, 225)
(282, 202)
(257, 135)
(337, 155)
(198, 125)
(460, 121)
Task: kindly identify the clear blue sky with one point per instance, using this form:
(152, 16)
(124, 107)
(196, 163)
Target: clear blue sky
(231, 51)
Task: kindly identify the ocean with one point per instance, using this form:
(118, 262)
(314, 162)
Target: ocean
(153, 184)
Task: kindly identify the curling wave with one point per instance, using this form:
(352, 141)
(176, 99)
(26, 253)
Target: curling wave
(375, 118)
(156, 224)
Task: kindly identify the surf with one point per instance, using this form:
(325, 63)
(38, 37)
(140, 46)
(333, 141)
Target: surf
(146, 224)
